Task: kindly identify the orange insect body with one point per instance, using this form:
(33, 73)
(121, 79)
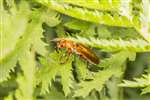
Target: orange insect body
(78, 49)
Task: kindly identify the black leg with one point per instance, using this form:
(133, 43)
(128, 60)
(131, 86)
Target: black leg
(64, 58)
(57, 49)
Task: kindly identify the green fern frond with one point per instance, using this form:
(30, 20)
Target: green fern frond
(101, 77)
(140, 17)
(55, 95)
(50, 17)
(144, 32)
(99, 80)
(24, 44)
(9, 38)
(22, 35)
(47, 72)
(124, 18)
(113, 90)
(77, 25)
(50, 69)
(87, 15)
(136, 45)
(104, 5)
(67, 78)
(143, 82)
(146, 90)
(27, 80)
(118, 31)
(114, 60)
(136, 12)
(82, 70)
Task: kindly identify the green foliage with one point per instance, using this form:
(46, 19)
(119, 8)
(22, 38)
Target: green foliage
(117, 31)
(92, 16)
(52, 67)
(106, 18)
(18, 42)
(142, 82)
(112, 67)
(136, 45)
(95, 4)
(8, 51)
(27, 80)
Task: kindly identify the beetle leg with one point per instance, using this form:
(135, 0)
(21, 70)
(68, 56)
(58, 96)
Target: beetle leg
(67, 55)
(57, 49)
(69, 51)
(62, 57)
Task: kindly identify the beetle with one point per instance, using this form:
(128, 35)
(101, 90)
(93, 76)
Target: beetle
(77, 48)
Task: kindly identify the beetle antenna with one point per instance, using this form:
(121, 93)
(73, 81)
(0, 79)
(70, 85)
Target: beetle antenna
(55, 40)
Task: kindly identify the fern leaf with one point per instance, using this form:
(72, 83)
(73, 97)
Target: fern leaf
(144, 32)
(27, 80)
(97, 83)
(22, 52)
(135, 45)
(114, 60)
(47, 72)
(77, 25)
(104, 5)
(101, 77)
(82, 69)
(114, 91)
(11, 32)
(55, 95)
(50, 69)
(21, 35)
(67, 78)
(24, 44)
(142, 82)
(87, 15)
(50, 17)
(140, 17)
(8, 20)
(124, 18)
(146, 90)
